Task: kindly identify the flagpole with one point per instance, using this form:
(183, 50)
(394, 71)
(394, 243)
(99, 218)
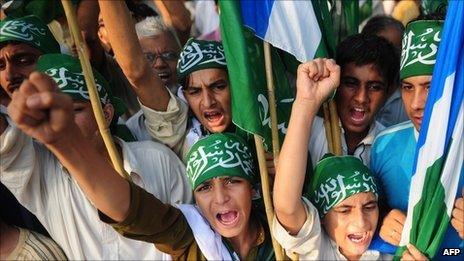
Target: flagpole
(90, 82)
(327, 127)
(272, 102)
(335, 127)
(266, 193)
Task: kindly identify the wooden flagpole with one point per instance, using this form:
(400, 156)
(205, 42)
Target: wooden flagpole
(335, 127)
(90, 82)
(275, 148)
(267, 193)
(328, 127)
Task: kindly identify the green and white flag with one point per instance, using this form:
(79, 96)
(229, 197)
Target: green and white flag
(438, 173)
(244, 26)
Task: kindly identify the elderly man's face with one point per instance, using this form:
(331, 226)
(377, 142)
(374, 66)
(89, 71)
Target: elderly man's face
(352, 223)
(17, 61)
(162, 51)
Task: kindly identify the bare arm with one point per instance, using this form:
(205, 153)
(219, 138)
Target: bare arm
(315, 81)
(175, 14)
(45, 114)
(121, 33)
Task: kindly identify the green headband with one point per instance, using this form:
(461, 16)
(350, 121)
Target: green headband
(198, 55)
(336, 178)
(31, 31)
(67, 73)
(420, 47)
(219, 155)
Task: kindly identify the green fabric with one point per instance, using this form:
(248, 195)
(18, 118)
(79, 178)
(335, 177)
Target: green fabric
(198, 55)
(245, 64)
(219, 155)
(46, 10)
(66, 71)
(420, 47)
(336, 178)
(29, 30)
(433, 6)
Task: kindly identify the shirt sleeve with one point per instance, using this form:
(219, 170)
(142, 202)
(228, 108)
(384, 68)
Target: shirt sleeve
(307, 243)
(152, 221)
(168, 127)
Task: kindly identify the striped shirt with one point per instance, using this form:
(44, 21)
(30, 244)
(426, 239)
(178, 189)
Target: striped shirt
(34, 246)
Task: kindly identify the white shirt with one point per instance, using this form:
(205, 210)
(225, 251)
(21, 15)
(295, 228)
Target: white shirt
(44, 187)
(167, 127)
(318, 142)
(312, 242)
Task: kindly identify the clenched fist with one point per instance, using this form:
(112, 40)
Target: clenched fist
(40, 110)
(316, 80)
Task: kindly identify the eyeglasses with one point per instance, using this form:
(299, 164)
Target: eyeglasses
(167, 56)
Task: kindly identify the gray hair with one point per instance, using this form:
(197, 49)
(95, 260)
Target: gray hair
(153, 26)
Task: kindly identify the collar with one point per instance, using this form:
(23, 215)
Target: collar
(416, 133)
(374, 129)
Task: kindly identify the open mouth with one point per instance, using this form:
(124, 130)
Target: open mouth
(165, 76)
(213, 116)
(227, 218)
(358, 115)
(358, 238)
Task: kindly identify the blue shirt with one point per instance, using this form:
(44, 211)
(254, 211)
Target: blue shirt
(392, 160)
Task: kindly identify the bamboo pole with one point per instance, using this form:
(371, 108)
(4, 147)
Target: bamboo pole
(327, 127)
(272, 102)
(266, 193)
(335, 126)
(90, 82)
(275, 145)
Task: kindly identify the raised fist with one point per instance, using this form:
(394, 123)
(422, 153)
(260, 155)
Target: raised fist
(40, 110)
(317, 79)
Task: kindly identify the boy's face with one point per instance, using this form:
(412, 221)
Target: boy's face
(361, 93)
(85, 120)
(226, 204)
(17, 61)
(414, 92)
(208, 96)
(352, 223)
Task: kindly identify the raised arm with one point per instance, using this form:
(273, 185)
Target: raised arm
(121, 33)
(45, 114)
(316, 80)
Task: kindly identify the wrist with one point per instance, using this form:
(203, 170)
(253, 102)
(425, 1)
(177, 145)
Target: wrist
(308, 106)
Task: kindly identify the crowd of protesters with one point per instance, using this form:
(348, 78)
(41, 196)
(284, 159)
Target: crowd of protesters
(193, 190)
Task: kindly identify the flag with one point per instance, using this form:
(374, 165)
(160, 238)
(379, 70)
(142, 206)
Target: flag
(291, 26)
(440, 147)
(245, 63)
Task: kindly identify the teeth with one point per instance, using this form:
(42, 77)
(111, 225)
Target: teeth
(359, 109)
(357, 237)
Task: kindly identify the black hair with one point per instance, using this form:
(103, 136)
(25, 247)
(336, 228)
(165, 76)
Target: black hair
(140, 11)
(363, 49)
(380, 23)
